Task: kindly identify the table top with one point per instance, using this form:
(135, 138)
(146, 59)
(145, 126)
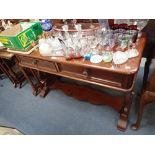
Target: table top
(130, 67)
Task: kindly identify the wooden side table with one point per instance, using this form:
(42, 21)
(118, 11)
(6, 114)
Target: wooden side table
(117, 78)
(148, 96)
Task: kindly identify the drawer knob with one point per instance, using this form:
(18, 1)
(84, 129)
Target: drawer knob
(34, 62)
(125, 109)
(85, 72)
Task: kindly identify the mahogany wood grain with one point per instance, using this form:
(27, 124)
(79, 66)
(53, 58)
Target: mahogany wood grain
(89, 94)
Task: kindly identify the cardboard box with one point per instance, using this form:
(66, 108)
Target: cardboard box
(20, 36)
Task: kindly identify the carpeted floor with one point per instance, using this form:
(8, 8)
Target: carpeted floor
(61, 114)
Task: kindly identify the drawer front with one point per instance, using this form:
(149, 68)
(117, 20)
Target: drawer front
(46, 65)
(28, 61)
(93, 75)
(38, 64)
(106, 77)
(111, 78)
(70, 69)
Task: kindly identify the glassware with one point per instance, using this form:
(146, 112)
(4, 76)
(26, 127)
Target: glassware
(122, 28)
(141, 23)
(65, 29)
(111, 41)
(104, 23)
(123, 40)
(92, 43)
(46, 24)
(132, 51)
(96, 58)
(91, 23)
(80, 38)
(120, 57)
(99, 35)
(121, 21)
(133, 31)
(107, 55)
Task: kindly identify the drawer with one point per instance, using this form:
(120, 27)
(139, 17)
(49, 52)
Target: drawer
(28, 61)
(46, 65)
(37, 64)
(111, 78)
(73, 70)
(93, 75)
(70, 69)
(106, 77)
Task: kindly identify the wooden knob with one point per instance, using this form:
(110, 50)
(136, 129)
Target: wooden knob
(125, 109)
(34, 62)
(85, 72)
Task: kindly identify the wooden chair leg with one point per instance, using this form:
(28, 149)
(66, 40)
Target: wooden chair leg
(34, 88)
(11, 73)
(7, 74)
(146, 98)
(0, 75)
(146, 73)
(140, 113)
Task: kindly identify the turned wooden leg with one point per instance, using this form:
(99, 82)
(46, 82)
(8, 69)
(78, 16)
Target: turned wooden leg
(123, 120)
(44, 89)
(146, 98)
(42, 86)
(36, 78)
(34, 89)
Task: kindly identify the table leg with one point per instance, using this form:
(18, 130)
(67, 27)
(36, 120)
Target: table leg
(123, 120)
(44, 89)
(34, 88)
(36, 78)
(42, 86)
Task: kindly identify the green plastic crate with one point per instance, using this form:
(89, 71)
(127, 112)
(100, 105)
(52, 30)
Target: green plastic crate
(20, 36)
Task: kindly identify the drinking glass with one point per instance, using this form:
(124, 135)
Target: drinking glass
(141, 23)
(104, 23)
(93, 42)
(122, 42)
(107, 54)
(132, 50)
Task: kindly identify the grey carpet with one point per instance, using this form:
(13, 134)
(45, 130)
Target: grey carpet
(61, 114)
